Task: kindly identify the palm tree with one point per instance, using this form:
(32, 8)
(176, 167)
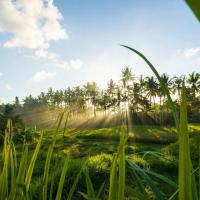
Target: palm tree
(169, 83)
(151, 86)
(91, 91)
(111, 92)
(177, 84)
(17, 102)
(126, 79)
(127, 76)
(79, 98)
(42, 98)
(50, 94)
(194, 82)
(111, 87)
(105, 101)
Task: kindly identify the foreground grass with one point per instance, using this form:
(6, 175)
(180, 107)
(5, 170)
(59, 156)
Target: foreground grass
(99, 145)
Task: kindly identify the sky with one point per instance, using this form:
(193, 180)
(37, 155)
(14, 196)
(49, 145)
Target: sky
(67, 43)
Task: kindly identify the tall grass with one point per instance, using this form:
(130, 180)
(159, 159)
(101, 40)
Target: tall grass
(186, 178)
(15, 180)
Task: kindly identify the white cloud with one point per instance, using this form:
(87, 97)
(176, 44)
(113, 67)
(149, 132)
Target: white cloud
(43, 75)
(2, 100)
(63, 65)
(43, 54)
(72, 64)
(1, 74)
(191, 52)
(32, 24)
(76, 63)
(8, 86)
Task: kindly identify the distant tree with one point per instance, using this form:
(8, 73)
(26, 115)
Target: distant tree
(151, 87)
(17, 102)
(194, 82)
(177, 84)
(126, 78)
(91, 91)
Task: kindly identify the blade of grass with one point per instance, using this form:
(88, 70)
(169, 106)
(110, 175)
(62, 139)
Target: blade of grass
(199, 171)
(148, 180)
(164, 87)
(48, 160)
(62, 179)
(100, 190)
(90, 188)
(113, 179)
(32, 163)
(72, 190)
(121, 168)
(184, 175)
(195, 7)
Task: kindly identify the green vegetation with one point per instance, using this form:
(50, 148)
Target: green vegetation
(121, 162)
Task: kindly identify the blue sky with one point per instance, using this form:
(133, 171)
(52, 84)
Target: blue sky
(67, 43)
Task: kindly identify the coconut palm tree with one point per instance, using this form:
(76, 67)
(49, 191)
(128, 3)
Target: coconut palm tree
(194, 83)
(91, 91)
(151, 87)
(177, 84)
(126, 78)
(50, 94)
(112, 94)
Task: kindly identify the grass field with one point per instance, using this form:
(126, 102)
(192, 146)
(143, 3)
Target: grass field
(151, 147)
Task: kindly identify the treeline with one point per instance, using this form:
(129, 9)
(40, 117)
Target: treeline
(140, 94)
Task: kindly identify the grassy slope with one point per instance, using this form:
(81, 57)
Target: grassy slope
(100, 144)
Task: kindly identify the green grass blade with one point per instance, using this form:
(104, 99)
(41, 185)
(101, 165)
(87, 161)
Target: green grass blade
(12, 173)
(148, 180)
(163, 178)
(195, 7)
(72, 190)
(113, 179)
(4, 171)
(138, 182)
(65, 126)
(194, 186)
(21, 172)
(90, 188)
(51, 188)
(199, 171)
(62, 179)
(100, 190)
(184, 175)
(164, 87)
(121, 169)
(48, 160)
(32, 163)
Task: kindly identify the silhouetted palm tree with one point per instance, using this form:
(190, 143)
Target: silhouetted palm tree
(194, 82)
(126, 78)
(151, 87)
(177, 84)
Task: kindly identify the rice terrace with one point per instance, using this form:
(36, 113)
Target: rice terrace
(99, 100)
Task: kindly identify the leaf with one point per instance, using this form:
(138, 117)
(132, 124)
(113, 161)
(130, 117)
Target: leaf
(121, 168)
(195, 7)
(184, 173)
(148, 180)
(72, 190)
(48, 160)
(90, 188)
(164, 87)
(113, 179)
(62, 179)
(32, 163)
